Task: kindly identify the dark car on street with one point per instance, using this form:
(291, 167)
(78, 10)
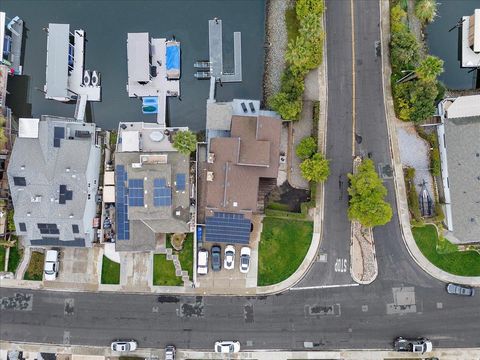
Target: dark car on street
(216, 258)
(456, 289)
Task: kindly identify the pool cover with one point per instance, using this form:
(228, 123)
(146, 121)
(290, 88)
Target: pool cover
(173, 57)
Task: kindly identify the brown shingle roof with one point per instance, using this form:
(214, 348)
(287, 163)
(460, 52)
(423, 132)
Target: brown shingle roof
(250, 153)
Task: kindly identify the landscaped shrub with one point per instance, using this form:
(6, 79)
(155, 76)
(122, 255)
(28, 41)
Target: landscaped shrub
(415, 100)
(306, 148)
(304, 53)
(412, 195)
(426, 10)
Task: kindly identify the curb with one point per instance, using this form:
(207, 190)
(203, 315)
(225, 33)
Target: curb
(399, 182)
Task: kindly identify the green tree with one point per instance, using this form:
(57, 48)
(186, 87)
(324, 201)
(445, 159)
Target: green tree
(3, 138)
(398, 19)
(426, 10)
(306, 7)
(185, 142)
(367, 193)
(404, 51)
(306, 148)
(287, 108)
(429, 68)
(415, 100)
(316, 168)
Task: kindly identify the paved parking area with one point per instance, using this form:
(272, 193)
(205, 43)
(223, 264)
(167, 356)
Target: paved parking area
(79, 265)
(223, 279)
(233, 279)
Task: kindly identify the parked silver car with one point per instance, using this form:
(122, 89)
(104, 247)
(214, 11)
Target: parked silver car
(462, 290)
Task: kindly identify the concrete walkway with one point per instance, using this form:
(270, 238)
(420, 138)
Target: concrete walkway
(400, 191)
(104, 352)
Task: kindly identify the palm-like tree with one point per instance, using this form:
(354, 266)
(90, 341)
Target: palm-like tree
(426, 10)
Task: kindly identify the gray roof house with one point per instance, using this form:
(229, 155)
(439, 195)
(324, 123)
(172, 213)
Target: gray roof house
(153, 187)
(53, 177)
(459, 142)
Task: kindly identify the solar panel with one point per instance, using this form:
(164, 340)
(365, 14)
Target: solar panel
(181, 182)
(135, 192)
(162, 195)
(59, 132)
(227, 228)
(123, 227)
(56, 142)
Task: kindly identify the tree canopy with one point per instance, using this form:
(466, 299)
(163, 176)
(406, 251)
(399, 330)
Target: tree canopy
(426, 10)
(315, 168)
(429, 68)
(367, 193)
(185, 142)
(306, 148)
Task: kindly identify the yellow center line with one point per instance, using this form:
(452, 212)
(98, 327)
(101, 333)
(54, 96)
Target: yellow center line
(353, 77)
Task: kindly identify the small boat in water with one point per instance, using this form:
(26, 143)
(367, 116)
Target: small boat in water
(95, 78)
(87, 78)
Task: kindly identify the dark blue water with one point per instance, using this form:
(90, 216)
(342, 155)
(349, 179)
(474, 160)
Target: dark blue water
(107, 23)
(444, 44)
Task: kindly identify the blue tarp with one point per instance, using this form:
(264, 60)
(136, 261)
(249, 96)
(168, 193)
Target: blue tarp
(173, 57)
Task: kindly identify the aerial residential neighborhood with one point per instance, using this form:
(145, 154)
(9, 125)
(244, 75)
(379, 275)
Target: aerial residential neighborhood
(240, 179)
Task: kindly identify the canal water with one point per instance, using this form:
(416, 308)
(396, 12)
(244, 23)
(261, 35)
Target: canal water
(107, 23)
(445, 44)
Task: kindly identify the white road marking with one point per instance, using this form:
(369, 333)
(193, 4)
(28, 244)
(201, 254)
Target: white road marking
(324, 286)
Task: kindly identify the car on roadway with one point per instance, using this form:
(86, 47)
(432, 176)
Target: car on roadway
(124, 345)
(420, 345)
(229, 258)
(216, 258)
(227, 346)
(202, 262)
(245, 259)
(170, 352)
(461, 290)
(50, 268)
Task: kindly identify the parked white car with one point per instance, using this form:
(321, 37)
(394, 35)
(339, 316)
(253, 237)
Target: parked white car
(202, 262)
(229, 258)
(245, 259)
(124, 345)
(227, 346)
(50, 268)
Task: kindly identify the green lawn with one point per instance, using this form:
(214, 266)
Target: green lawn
(35, 267)
(14, 258)
(164, 272)
(283, 245)
(110, 271)
(186, 255)
(464, 263)
(2, 258)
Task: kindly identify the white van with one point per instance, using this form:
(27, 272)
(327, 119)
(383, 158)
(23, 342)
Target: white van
(202, 263)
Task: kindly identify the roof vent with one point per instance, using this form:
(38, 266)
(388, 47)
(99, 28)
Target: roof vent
(29, 213)
(67, 169)
(235, 204)
(22, 167)
(211, 158)
(137, 165)
(210, 176)
(70, 216)
(36, 198)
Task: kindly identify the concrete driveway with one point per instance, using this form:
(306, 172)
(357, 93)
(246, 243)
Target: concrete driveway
(78, 265)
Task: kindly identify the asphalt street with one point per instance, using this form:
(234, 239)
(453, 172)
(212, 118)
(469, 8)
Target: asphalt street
(403, 301)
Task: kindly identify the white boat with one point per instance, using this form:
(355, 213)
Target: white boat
(95, 78)
(87, 78)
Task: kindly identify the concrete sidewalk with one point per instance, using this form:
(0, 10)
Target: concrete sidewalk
(104, 352)
(400, 190)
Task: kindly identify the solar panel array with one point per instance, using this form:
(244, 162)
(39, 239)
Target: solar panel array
(227, 228)
(162, 195)
(58, 133)
(121, 198)
(135, 192)
(181, 180)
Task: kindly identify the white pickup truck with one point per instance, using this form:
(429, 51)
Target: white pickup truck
(420, 346)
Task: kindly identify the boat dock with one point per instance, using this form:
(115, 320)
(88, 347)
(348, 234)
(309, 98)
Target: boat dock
(65, 71)
(11, 35)
(470, 45)
(215, 46)
(152, 78)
